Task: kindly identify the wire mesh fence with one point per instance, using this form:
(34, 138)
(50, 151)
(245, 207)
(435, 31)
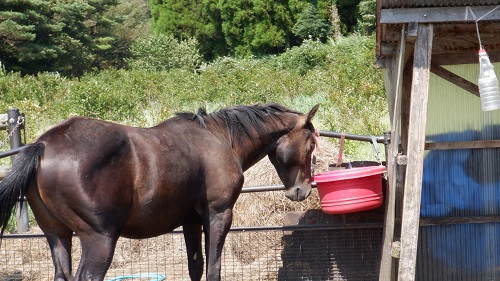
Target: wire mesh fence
(249, 254)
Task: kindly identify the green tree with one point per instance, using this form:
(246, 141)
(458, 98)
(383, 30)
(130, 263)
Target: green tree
(367, 10)
(349, 15)
(230, 27)
(311, 25)
(134, 18)
(87, 35)
(186, 19)
(69, 37)
(258, 26)
(25, 30)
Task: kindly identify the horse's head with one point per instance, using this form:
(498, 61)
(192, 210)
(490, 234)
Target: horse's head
(292, 157)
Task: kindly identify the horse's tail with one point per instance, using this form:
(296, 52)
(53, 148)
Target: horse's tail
(15, 185)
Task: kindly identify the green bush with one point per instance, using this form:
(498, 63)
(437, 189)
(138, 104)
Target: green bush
(340, 75)
(159, 52)
(308, 56)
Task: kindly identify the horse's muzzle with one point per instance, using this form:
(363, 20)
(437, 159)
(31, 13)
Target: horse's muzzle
(298, 193)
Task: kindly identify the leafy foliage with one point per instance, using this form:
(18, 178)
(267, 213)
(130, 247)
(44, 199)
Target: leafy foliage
(190, 19)
(257, 27)
(77, 37)
(160, 52)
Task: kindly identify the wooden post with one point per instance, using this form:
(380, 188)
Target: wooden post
(396, 78)
(416, 142)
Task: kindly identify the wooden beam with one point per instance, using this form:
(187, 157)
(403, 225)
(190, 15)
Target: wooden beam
(462, 145)
(459, 220)
(437, 14)
(455, 79)
(416, 142)
(378, 28)
(387, 265)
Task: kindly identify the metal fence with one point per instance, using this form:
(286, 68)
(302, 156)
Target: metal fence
(322, 252)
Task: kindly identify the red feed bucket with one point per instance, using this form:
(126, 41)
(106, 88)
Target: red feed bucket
(350, 190)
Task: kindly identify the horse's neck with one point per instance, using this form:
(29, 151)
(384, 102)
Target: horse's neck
(250, 157)
(251, 151)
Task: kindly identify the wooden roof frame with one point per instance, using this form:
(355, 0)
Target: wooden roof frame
(455, 39)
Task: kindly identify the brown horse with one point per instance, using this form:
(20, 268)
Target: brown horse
(102, 180)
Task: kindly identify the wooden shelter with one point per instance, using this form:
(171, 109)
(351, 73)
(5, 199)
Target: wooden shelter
(417, 38)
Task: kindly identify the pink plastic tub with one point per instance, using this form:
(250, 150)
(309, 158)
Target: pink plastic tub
(350, 190)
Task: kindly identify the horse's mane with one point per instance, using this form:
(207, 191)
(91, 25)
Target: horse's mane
(243, 120)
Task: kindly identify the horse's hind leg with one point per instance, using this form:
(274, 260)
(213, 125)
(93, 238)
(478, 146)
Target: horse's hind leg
(97, 254)
(60, 247)
(58, 235)
(192, 236)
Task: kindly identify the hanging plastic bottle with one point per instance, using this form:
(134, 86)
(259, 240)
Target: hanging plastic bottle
(488, 83)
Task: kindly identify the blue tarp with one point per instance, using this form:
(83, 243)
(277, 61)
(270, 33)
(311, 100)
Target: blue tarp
(449, 189)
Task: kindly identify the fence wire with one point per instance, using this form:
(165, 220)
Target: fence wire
(352, 254)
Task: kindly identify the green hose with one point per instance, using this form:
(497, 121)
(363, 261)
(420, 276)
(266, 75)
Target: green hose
(152, 276)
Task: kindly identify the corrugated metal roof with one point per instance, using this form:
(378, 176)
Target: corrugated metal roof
(387, 4)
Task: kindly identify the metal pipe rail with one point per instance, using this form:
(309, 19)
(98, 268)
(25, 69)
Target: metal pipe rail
(11, 152)
(378, 139)
(305, 227)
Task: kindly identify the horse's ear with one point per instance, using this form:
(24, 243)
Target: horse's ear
(312, 112)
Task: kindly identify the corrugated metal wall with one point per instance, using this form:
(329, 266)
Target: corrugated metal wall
(460, 183)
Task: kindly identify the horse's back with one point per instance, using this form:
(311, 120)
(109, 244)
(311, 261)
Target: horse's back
(100, 175)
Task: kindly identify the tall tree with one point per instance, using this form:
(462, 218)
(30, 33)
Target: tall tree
(134, 18)
(69, 37)
(311, 25)
(185, 19)
(259, 26)
(26, 30)
(367, 10)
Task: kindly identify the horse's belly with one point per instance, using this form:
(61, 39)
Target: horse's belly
(148, 228)
(146, 232)
(156, 220)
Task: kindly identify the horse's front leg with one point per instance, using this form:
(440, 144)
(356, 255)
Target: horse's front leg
(192, 236)
(216, 229)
